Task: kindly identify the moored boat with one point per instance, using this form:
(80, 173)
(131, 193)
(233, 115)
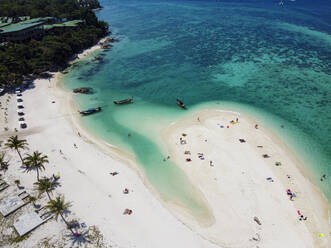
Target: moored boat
(90, 111)
(124, 101)
(180, 103)
(81, 90)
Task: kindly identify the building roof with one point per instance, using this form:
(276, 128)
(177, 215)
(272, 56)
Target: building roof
(4, 24)
(25, 24)
(18, 27)
(72, 23)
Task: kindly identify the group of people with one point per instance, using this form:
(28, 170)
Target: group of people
(291, 194)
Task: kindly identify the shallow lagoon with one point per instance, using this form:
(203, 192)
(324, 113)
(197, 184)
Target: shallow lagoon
(268, 61)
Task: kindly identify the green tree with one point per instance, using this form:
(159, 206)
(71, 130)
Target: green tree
(36, 162)
(58, 207)
(14, 143)
(33, 200)
(4, 164)
(17, 182)
(45, 185)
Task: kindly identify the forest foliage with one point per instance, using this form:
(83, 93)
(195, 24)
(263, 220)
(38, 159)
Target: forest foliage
(52, 51)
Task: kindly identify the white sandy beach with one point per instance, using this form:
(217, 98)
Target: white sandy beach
(97, 197)
(235, 187)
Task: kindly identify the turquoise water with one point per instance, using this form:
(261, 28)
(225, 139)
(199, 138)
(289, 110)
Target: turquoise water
(270, 61)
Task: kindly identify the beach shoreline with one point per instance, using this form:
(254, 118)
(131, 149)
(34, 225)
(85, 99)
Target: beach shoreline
(177, 212)
(56, 103)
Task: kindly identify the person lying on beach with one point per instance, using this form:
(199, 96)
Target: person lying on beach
(256, 126)
(113, 173)
(125, 191)
(242, 140)
(127, 211)
(302, 218)
(265, 156)
(56, 177)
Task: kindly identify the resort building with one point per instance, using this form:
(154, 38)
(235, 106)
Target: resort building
(25, 28)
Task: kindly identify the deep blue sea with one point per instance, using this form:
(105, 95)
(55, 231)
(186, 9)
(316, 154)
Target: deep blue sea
(269, 60)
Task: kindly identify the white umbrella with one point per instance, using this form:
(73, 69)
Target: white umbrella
(19, 97)
(19, 104)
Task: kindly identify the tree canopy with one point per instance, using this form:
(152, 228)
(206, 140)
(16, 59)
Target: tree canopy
(57, 46)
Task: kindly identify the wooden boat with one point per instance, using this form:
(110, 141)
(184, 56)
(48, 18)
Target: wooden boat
(81, 90)
(180, 103)
(90, 111)
(124, 101)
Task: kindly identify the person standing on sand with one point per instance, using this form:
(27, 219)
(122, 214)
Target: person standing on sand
(256, 126)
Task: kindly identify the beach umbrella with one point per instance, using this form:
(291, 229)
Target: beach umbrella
(22, 124)
(18, 97)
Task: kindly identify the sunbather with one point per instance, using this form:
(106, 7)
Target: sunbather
(127, 211)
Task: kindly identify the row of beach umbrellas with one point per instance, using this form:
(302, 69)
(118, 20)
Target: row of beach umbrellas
(20, 106)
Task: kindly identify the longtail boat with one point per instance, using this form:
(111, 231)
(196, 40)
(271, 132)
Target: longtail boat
(124, 101)
(180, 103)
(90, 111)
(81, 90)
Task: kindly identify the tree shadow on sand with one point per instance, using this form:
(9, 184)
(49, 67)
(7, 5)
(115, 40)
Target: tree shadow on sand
(81, 239)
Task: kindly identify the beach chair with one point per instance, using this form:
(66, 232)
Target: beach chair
(3, 185)
(13, 203)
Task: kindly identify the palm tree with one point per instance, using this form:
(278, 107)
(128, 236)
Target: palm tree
(14, 143)
(58, 207)
(33, 199)
(45, 185)
(35, 161)
(17, 182)
(3, 162)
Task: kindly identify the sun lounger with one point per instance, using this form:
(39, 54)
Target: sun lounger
(13, 203)
(28, 222)
(3, 185)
